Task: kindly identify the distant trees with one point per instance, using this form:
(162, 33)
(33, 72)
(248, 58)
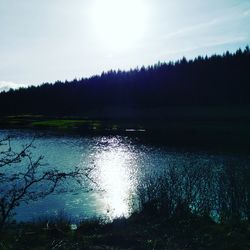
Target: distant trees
(216, 80)
(24, 178)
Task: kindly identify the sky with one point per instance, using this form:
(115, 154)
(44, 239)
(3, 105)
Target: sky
(48, 40)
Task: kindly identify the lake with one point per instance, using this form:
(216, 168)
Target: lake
(119, 164)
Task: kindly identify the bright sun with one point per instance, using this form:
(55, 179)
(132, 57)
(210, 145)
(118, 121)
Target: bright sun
(119, 24)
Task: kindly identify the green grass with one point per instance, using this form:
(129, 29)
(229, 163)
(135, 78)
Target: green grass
(61, 124)
(67, 124)
(227, 127)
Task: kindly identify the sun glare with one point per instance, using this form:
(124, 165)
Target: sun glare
(116, 175)
(115, 181)
(119, 24)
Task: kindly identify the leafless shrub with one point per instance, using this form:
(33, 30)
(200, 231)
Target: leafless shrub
(221, 192)
(24, 178)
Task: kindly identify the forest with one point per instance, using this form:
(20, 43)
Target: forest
(218, 80)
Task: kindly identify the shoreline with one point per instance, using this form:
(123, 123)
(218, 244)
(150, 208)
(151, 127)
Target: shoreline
(218, 136)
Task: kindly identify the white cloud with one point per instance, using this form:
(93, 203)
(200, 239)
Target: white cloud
(5, 86)
(222, 41)
(192, 28)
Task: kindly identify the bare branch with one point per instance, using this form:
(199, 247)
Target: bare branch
(29, 182)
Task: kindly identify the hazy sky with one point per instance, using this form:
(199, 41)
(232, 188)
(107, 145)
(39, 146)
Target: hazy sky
(49, 40)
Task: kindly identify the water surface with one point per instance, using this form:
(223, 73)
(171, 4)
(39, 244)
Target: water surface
(118, 164)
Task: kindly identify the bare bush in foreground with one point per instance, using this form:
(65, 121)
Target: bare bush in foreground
(24, 178)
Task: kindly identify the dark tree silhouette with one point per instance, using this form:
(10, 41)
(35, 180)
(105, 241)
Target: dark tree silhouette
(216, 80)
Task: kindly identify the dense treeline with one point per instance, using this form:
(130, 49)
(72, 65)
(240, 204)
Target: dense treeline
(216, 80)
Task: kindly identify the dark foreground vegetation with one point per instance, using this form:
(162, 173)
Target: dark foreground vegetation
(141, 231)
(188, 207)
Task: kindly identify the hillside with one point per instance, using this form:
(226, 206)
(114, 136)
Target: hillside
(220, 80)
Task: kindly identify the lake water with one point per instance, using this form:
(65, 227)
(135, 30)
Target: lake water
(118, 163)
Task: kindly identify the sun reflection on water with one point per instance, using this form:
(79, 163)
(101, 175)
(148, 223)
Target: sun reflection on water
(116, 175)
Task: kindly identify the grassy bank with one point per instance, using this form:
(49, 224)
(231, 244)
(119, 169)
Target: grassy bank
(219, 128)
(140, 231)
